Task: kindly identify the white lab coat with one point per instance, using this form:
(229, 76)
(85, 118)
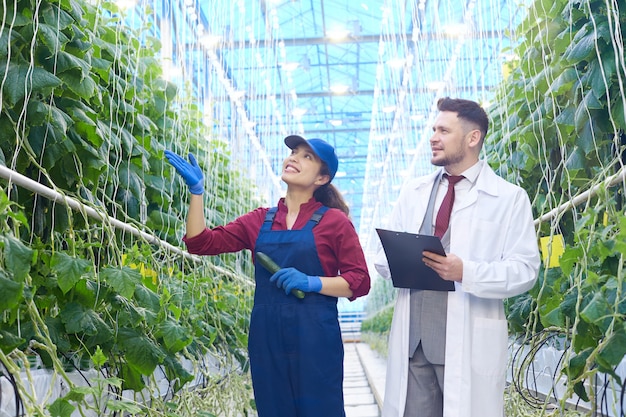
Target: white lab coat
(492, 231)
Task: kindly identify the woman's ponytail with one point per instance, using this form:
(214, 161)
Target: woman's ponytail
(330, 196)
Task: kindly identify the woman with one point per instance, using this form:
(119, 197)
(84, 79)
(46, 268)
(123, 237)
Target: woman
(295, 346)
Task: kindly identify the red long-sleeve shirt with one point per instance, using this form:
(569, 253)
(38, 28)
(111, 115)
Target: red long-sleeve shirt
(337, 242)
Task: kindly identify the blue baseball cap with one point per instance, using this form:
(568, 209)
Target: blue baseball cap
(322, 149)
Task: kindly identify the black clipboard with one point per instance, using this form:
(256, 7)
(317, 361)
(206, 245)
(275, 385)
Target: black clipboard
(404, 255)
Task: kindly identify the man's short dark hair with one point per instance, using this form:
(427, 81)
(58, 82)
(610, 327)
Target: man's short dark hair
(467, 110)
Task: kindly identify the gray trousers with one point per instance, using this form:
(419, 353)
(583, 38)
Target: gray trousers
(424, 395)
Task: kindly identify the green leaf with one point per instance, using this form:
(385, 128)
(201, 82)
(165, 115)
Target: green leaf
(11, 291)
(175, 336)
(145, 124)
(130, 179)
(175, 372)
(99, 358)
(575, 161)
(132, 378)
(147, 299)
(577, 364)
(79, 319)
(582, 47)
(570, 257)
(66, 62)
(56, 17)
(83, 87)
(595, 79)
(21, 78)
(9, 340)
(58, 335)
(61, 408)
(613, 350)
(51, 37)
(618, 111)
(579, 389)
(68, 270)
(127, 407)
(18, 257)
(164, 221)
(597, 310)
(553, 318)
(564, 82)
(78, 393)
(140, 352)
(123, 279)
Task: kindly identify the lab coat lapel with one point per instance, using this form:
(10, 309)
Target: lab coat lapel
(484, 184)
(422, 190)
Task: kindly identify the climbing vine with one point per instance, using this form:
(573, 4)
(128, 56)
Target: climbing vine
(87, 112)
(559, 132)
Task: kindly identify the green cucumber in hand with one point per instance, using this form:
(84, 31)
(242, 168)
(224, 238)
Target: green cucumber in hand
(271, 266)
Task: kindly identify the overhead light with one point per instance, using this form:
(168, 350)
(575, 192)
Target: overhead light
(126, 4)
(337, 34)
(435, 85)
(389, 109)
(417, 117)
(508, 57)
(171, 71)
(298, 112)
(456, 31)
(340, 174)
(336, 122)
(339, 88)
(290, 66)
(210, 41)
(396, 62)
(238, 94)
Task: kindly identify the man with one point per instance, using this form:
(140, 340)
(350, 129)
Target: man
(448, 350)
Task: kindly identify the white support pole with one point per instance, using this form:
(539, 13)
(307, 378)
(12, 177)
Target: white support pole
(580, 198)
(57, 197)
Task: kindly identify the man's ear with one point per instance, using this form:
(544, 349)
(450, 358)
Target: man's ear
(474, 138)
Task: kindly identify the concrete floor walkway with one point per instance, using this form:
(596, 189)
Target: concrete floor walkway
(364, 380)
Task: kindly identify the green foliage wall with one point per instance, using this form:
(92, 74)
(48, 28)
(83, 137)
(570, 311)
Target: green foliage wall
(85, 110)
(558, 131)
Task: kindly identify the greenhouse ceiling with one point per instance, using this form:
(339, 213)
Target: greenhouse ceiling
(364, 75)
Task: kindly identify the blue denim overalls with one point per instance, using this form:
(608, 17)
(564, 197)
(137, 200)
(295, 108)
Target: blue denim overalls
(295, 346)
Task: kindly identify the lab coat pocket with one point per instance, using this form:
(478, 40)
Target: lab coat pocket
(489, 346)
(487, 235)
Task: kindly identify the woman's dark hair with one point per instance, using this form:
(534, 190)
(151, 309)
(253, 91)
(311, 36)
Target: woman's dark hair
(329, 195)
(467, 110)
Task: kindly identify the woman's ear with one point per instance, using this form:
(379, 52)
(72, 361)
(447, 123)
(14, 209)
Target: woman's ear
(322, 180)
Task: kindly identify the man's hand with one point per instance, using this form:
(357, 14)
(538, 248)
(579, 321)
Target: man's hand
(190, 171)
(291, 278)
(448, 267)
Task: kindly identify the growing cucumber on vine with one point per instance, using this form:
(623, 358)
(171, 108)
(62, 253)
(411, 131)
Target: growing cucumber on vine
(271, 266)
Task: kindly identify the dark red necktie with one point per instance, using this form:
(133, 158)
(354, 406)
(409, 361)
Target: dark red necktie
(443, 215)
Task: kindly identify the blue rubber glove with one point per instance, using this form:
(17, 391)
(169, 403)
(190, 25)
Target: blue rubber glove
(291, 278)
(191, 172)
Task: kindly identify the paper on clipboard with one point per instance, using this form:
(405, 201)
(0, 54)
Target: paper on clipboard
(404, 255)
